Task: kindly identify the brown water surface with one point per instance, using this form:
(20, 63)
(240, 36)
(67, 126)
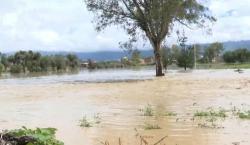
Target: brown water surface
(62, 105)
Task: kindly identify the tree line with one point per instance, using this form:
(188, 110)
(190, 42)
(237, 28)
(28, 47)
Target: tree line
(214, 53)
(241, 55)
(29, 61)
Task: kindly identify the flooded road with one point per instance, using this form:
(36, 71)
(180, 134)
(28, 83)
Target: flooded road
(62, 104)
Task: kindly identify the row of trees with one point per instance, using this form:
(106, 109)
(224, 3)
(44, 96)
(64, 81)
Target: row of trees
(182, 57)
(29, 61)
(241, 55)
(186, 55)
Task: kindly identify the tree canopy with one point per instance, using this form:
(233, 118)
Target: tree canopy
(153, 19)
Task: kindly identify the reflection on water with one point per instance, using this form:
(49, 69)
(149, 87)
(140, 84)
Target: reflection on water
(84, 76)
(109, 75)
(62, 105)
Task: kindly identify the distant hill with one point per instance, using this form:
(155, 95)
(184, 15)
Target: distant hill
(101, 55)
(232, 45)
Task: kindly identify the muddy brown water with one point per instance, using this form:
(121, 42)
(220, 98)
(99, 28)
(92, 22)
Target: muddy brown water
(62, 105)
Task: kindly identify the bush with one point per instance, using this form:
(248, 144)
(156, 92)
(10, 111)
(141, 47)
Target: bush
(241, 55)
(1, 68)
(16, 68)
(186, 58)
(42, 136)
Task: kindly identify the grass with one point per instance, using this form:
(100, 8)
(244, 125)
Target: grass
(244, 115)
(170, 114)
(85, 123)
(147, 111)
(211, 113)
(97, 119)
(151, 126)
(42, 136)
(224, 66)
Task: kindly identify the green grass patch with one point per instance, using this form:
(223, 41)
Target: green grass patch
(151, 126)
(85, 123)
(170, 114)
(244, 115)
(42, 136)
(147, 110)
(211, 113)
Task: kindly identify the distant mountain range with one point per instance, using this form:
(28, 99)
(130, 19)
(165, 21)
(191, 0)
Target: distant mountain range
(117, 55)
(232, 45)
(100, 55)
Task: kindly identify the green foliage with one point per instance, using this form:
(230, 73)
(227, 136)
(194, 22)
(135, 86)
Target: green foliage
(59, 63)
(167, 57)
(212, 52)
(152, 19)
(135, 57)
(186, 58)
(43, 136)
(151, 126)
(84, 122)
(16, 68)
(170, 114)
(108, 64)
(1, 68)
(72, 61)
(30, 61)
(244, 115)
(241, 55)
(147, 110)
(211, 113)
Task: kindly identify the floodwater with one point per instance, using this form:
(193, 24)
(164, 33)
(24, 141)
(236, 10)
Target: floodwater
(55, 101)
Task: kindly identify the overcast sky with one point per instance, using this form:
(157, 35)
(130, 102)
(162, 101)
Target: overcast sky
(65, 25)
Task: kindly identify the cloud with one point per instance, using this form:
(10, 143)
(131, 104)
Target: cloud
(63, 25)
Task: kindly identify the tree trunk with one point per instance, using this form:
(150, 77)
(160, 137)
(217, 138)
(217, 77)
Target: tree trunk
(158, 62)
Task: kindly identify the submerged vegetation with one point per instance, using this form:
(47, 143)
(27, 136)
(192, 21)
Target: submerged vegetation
(170, 114)
(211, 113)
(147, 111)
(25, 136)
(151, 126)
(85, 123)
(244, 115)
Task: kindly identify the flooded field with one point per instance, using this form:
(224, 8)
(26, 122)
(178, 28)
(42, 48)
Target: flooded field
(60, 102)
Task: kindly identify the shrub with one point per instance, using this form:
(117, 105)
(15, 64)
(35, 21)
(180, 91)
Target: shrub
(16, 68)
(84, 122)
(244, 115)
(1, 68)
(147, 111)
(42, 136)
(151, 126)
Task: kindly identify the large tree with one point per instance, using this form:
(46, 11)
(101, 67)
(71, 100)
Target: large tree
(151, 18)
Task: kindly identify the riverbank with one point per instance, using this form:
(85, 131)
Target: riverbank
(62, 105)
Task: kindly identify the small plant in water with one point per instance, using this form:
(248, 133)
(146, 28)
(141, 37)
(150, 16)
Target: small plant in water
(84, 122)
(170, 114)
(151, 126)
(211, 113)
(97, 118)
(244, 115)
(147, 111)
